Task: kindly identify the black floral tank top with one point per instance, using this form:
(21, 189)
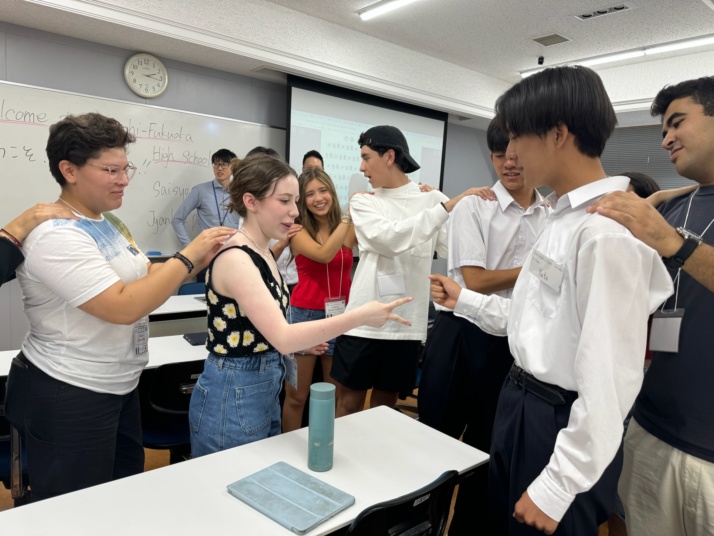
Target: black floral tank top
(230, 332)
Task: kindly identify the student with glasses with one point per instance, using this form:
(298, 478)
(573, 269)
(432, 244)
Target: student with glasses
(209, 200)
(72, 390)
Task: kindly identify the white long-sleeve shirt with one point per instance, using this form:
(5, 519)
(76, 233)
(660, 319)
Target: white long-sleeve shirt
(398, 230)
(590, 337)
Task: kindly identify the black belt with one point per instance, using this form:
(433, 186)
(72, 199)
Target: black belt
(552, 394)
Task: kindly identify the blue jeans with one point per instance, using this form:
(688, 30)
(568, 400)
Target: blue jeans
(235, 402)
(299, 314)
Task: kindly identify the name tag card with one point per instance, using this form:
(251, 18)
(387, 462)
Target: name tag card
(390, 285)
(334, 306)
(547, 270)
(141, 336)
(664, 332)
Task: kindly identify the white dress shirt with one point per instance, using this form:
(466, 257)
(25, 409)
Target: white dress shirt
(494, 235)
(588, 337)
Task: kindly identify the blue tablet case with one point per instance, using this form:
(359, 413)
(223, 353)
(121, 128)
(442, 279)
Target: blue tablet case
(296, 500)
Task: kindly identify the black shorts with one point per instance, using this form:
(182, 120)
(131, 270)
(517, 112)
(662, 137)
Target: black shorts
(384, 364)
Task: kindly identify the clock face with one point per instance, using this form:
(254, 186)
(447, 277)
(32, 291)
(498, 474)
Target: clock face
(146, 75)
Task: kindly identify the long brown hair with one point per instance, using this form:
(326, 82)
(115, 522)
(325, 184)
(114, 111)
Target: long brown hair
(307, 219)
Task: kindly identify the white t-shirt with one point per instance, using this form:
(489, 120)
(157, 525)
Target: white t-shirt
(398, 230)
(67, 263)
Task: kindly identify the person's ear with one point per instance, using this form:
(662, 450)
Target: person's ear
(390, 157)
(69, 171)
(250, 202)
(561, 134)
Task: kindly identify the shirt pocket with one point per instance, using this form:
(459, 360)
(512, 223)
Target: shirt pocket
(423, 251)
(546, 300)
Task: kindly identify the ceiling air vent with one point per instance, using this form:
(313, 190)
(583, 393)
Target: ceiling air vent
(617, 8)
(552, 39)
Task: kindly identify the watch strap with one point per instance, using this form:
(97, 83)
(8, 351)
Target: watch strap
(678, 259)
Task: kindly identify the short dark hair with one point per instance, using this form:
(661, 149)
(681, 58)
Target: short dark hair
(256, 174)
(643, 185)
(497, 136)
(263, 150)
(700, 90)
(380, 149)
(77, 138)
(571, 95)
(222, 155)
(313, 154)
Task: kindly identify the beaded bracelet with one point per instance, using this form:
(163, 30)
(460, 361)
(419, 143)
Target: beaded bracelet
(8, 236)
(346, 219)
(187, 263)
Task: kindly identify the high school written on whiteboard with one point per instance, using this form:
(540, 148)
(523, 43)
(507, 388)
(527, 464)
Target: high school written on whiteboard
(172, 153)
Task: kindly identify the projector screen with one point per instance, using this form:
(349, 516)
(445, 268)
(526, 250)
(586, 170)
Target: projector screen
(331, 124)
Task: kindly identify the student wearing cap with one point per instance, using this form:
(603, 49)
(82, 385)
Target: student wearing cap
(398, 229)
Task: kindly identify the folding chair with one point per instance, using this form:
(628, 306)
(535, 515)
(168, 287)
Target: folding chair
(420, 513)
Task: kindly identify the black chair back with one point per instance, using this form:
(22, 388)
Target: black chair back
(172, 386)
(420, 513)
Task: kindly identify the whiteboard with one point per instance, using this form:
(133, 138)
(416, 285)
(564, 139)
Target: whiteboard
(172, 153)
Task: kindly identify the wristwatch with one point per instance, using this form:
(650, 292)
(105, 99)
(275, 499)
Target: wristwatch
(691, 242)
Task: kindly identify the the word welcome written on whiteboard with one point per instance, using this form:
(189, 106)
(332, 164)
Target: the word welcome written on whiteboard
(172, 154)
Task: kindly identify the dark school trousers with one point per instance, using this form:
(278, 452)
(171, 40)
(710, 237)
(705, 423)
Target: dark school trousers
(524, 437)
(462, 374)
(75, 438)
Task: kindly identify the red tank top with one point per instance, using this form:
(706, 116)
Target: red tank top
(312, 287)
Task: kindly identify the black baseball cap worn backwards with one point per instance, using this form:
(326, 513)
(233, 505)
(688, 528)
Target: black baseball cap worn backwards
(391, 137)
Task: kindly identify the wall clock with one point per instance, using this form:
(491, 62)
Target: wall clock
(146, 75)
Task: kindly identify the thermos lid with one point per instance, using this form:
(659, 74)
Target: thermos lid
(322, 391)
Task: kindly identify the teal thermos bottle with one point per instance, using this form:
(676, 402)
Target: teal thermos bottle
(321, 427)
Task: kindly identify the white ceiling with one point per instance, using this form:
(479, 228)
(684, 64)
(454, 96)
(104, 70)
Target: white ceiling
(452, 55)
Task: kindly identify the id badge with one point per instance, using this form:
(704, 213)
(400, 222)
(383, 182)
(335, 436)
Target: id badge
(291, 370)
(547, 270)
(389, 285)
(664, 331)
(334, 306)
(141, 336)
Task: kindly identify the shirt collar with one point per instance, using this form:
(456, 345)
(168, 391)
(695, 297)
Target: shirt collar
(217, 185)
(504, 197)
(588, 192)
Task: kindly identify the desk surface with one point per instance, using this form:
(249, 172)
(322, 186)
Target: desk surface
(161, 350)
(380, 454)
(186, 303)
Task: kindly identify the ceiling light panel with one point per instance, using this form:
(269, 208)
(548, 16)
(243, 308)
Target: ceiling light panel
(609, 10)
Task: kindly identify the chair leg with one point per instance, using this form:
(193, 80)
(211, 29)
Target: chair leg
(18, 488)
(179, 454)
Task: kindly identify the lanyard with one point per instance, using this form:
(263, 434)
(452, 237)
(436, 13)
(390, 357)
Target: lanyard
(218, 210)
(684, 226)
(327, 270)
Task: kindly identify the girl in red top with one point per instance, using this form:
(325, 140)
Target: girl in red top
(323, 256)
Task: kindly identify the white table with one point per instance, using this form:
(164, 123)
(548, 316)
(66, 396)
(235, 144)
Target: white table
(186, 305)
(178, 315)
(162, 350)
(380, 454)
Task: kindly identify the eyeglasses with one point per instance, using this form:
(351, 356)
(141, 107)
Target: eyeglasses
(116, 173)
(220, 165)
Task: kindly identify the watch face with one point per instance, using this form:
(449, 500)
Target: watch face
(146, 75)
